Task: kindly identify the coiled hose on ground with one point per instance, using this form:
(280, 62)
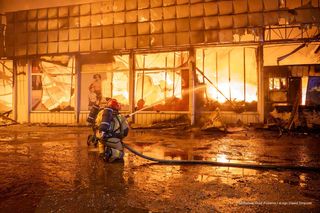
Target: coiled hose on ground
(213, 163)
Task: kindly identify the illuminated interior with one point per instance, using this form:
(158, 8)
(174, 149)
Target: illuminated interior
(53, 83)
(231, 70)
(159, 80)
(108, 78)
(6, 84)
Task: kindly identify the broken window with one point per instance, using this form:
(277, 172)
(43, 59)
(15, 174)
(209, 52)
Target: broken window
(104, 76)
(277, 84)
(227, 78)
(53, 83)
(161, 81)
(6, 84)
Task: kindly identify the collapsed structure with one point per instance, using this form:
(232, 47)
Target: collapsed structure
(246, 58)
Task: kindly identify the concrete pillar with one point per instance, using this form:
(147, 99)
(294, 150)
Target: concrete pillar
(261, 88)
(131, 84)
(192, 68)
(77, 70)
(22, 88)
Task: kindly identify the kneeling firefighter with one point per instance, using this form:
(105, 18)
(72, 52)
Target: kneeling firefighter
(113, 127)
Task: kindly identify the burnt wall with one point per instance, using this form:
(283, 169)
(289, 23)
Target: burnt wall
(147, 24)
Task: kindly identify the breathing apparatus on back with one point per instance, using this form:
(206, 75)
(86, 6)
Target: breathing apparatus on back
(108, 120)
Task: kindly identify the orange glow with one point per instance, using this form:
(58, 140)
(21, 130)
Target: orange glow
(304, 89)
(233, 70)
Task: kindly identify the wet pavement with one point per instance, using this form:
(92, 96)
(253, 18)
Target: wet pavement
(52, 169)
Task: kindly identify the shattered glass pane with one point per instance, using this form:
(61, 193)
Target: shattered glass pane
(161, 88)
(53, 85)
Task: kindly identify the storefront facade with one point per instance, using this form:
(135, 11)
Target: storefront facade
(172, 57)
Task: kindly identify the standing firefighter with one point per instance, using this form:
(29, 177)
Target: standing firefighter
(112, 128)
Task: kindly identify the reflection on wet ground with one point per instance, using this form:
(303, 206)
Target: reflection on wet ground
(52, 169)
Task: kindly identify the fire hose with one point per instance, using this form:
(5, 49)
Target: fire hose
(222, 164)
(95, 110)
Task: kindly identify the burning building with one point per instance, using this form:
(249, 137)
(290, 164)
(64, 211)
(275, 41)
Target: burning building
(177, 57)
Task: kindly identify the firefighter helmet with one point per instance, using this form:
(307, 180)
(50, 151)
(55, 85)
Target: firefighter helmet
(113, 104)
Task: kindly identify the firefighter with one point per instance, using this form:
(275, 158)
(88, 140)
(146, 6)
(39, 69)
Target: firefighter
(113, 127)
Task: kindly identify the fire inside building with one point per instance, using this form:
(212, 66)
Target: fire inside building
(254, 61)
